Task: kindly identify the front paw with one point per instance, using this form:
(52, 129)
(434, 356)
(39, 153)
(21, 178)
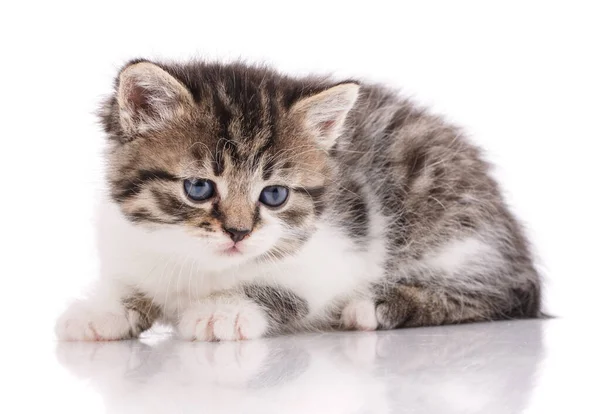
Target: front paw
(82, 323)
(360, 315)
(223, 319)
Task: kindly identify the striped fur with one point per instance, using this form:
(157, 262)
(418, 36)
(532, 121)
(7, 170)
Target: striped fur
(393, 218)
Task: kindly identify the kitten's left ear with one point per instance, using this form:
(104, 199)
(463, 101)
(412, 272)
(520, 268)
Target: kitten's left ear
(324, 114)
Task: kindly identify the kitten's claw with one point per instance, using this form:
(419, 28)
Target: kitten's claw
(79, 323)
(223, 319)
(360, 315)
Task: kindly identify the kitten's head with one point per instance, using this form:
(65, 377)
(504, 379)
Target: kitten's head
(235, 156)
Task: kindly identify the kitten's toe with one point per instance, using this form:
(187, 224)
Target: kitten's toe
(360, 315)
(79, 323)
(386, 317)
(223, 320)
(197, 324)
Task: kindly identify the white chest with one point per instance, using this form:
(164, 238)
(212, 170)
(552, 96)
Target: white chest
(174, 270)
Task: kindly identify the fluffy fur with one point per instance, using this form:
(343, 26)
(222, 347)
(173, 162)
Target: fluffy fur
(392, 218)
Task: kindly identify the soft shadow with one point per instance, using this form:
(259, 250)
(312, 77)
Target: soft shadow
(473, 368)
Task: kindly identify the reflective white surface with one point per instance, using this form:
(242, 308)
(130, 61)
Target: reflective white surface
(504, 367)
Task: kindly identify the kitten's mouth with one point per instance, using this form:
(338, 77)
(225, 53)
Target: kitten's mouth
(232, 251)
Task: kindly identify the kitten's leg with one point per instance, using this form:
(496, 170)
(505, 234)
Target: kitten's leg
(252, 312)
(111, 312)
(413, 305)
(409, 306)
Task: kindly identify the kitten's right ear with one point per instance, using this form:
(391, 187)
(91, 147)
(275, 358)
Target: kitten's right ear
(324, 114)
(148, 97)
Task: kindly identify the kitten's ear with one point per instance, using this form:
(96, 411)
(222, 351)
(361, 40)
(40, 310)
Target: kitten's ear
(324, 114)
(148, 97)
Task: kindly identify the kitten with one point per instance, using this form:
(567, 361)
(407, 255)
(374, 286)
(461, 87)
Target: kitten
(246, 203)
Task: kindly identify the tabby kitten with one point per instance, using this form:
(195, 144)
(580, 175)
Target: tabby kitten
(246, 203)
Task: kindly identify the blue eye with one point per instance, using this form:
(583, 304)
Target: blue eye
(273, 196)
(199, 190)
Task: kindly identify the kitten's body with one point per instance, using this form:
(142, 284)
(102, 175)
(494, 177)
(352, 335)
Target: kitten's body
(392, 219)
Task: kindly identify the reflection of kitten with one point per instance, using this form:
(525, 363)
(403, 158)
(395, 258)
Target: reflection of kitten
(245, 203)
(291, 375)
(474, 368)
(467, 369)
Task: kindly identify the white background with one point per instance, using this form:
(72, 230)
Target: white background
(522, 77)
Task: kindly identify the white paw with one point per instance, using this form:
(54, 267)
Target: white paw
(360, 315)
(223, 319)
(80, 323)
